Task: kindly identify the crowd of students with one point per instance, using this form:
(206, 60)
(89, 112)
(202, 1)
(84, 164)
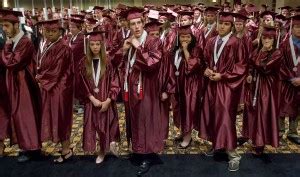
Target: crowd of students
(205, 63)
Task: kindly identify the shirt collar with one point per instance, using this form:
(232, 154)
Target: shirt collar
(225, 37)
(17, 38)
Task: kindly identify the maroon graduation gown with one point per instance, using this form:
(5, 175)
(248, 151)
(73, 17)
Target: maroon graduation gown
(144, 123)
(23, 92)
(188, 93)
(220, 100)
(56, 78)
(77, 46)
(261, 120)
(105, 124)
(4, 106)
(290, 95)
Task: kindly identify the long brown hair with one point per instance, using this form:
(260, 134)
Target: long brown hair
(89, 60)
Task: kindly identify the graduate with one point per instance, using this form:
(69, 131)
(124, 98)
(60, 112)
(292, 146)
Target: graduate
(139, 62)
(210, 27)
(290, 82)
(18, 58)
(262, 103)
(55, 76)
(100, 85)
(225, 70)
(187, 72)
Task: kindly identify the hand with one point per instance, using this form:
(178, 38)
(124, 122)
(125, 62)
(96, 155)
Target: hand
(267, 47)
(215, 77)
(184, 45)
(127, 44)
(135, 43)
(164, 96)
(249, 79)
(208, 72)
(95, 101)
(296, 81)
(105, 105)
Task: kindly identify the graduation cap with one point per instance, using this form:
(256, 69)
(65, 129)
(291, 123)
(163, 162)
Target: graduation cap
(285, 7)
(76, 21)
(186, 13)
(91, 21)
(295, 20)
(121, 6)
(133, 13)
(212, 10)
(153, 26)
(263, 14)
(238, 17)
(269, 31)
(226, 16)
(167, 15)
(51, 24)
(251, 8)
(95, 35)
(280, 18)
(123, 14)
(185, 30)
(98, 8)
(77, 16)
(10, 15)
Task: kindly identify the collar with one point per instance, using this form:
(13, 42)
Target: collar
(18, 37)
(225, 38)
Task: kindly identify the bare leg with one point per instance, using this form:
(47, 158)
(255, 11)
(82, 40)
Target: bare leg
(186, 140)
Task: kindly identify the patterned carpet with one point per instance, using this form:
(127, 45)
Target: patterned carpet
(197, 146)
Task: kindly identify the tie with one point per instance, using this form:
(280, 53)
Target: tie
(220, 41)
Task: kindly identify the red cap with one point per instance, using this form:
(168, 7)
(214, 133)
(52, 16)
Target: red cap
(285, 7)
(186, 13)
(98, 8)
(77, 16)
(10, 15)
(121, 6)
(226, 16)
(240, 17)
(251, 8)
(212, 10)
(91, 21)
(52, 24)
(167, 15)
(185, 30)
(295, 20)
(76, 21)
(123, 14)
(280, 18)
(153, 26)
(134, 13)
(267, 13)
(95, 36)
(269, 32)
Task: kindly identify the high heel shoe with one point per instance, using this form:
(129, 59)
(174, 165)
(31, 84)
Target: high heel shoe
(64, 158)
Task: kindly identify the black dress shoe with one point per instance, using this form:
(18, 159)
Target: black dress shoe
(294, 138)
(144, 168)
(241, 141)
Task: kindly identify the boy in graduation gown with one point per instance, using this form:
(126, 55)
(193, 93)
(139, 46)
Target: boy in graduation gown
(225, 72)
(290, 82)
(18, 57)
(139, 61)
(56, 77)
(211, 17)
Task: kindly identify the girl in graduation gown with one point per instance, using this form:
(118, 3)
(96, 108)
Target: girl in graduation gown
(100, 87)
(262, 103)
(187, 73)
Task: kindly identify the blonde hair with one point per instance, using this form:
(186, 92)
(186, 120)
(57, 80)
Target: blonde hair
(89, 60)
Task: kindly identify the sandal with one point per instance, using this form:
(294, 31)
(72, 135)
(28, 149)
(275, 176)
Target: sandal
(64, 158)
